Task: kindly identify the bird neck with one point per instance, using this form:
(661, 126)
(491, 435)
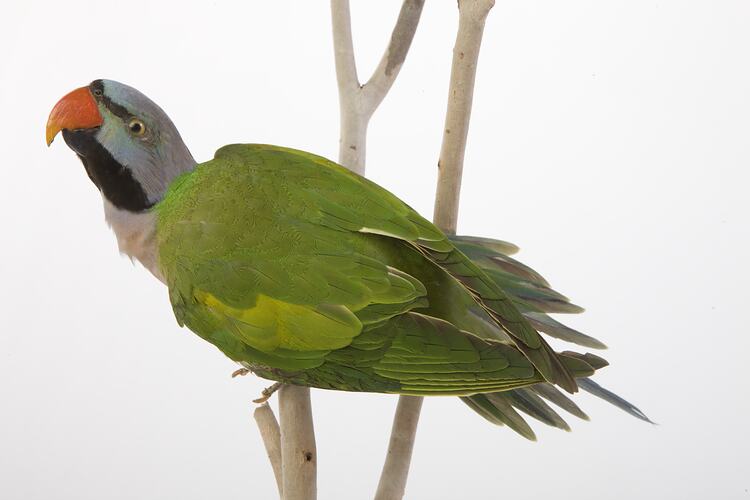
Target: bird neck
(136, 235)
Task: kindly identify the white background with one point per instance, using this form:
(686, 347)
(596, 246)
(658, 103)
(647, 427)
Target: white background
(609, 140)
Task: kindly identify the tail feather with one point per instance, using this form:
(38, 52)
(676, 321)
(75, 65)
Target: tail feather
(500, 411)
(501, 308)
(532, 405)
(499, 407)
(554, 395)
(532, 294)
(554, 328)
(610, 397)
(503, 247)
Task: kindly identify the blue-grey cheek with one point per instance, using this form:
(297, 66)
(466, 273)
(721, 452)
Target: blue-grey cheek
(126, 149)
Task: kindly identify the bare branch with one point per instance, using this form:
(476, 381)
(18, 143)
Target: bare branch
(352, 141)
(271, 434)
(298, 452)
(396, 468)
(472, 15)
(359, 102)
(393, 58)
(353, 127)
(343, 48)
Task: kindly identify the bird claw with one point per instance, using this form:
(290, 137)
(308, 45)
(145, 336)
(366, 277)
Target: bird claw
(240, 372)
(267, 393)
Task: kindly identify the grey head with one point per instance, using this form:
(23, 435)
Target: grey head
(132, 153)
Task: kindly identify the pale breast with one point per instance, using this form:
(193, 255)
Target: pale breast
(136, 235)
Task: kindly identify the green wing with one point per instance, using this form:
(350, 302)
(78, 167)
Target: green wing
(249, 271)
(287, 261)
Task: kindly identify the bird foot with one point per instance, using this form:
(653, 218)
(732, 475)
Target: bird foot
(241, 372)
(267, 393)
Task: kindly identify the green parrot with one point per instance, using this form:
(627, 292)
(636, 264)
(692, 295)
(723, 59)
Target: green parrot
(306, 273)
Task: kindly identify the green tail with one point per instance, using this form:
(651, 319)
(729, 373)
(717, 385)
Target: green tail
(534, 297)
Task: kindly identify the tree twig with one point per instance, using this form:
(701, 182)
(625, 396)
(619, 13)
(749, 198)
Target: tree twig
(343, 51)
(471, 18)
(393, 58)
(271, 434)
(392, 482)
(298, 453)
(472, 15)
(359, 102)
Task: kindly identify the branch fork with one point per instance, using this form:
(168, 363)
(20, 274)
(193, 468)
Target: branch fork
(358, 102)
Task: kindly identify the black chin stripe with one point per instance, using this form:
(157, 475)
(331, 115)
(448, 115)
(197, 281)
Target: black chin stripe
(116, 182)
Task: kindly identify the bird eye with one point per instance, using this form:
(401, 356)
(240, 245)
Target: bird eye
(98, 92)
(137, 127)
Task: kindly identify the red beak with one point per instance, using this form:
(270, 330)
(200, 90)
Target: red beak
(77, 110)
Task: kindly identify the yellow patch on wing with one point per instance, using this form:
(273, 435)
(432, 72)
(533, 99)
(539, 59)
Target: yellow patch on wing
(273, 323)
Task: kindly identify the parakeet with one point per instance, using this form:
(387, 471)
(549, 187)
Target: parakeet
(306, 273)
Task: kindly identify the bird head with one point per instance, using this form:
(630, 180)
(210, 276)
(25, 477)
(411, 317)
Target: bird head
(130, 148)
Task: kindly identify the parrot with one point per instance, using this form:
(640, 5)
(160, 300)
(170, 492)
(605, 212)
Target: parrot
(306, 273)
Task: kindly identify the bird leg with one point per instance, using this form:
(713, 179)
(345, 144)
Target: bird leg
(267, 393)
(240, 372)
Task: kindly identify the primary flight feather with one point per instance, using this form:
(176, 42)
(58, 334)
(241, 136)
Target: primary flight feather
(306, 273)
